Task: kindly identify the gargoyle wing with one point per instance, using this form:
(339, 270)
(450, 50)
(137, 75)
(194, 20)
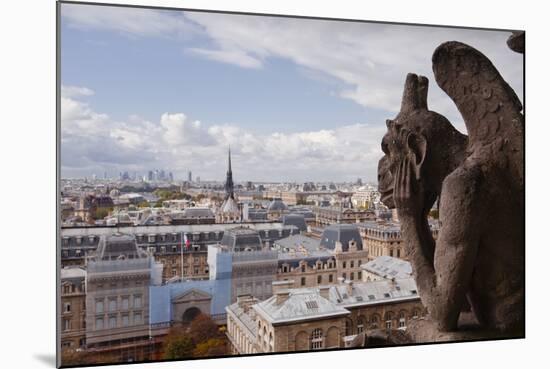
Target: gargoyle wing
(490, 108)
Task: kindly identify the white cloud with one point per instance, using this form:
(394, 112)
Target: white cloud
(127, 21)
(236, 57)
(93, 142)
(371, 59)
(75, 91)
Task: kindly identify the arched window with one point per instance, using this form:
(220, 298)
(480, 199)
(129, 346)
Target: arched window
(388, 318)
(360, 325)
(402, 321)
(349, 327)
(317, 339)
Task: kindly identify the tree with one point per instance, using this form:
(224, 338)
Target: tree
(203, 328)
(178, 345)
(212, 347)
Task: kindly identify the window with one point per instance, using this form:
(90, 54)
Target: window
(303, 281)
(125, 320)
(352, 276)
(174, 272)
(344, 264)
(66, 324)
(196, 270)
(67, 307)
(351, 264)
(317, 339)
(359, 263)
(137, 318)
(398, 253)
(112, 304)
(163, 249)
(360, 325)
(344, 276)
(99, 306)
(125, 303)
(112, 321)
(303, 268)
(330, 278)
(137, 301)
(99, 323)
(319, 279)
(174, 248)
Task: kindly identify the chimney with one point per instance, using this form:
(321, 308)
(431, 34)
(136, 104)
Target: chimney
(277, 286)
(324, 291)
(282, 296)
(349, 287)
(245, 302)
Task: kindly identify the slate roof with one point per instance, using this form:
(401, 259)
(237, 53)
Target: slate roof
(197, 212)
(389, 267)
(277, 205)
(297, 220)
(301, 304)
(240, 239)
(343, 233)
(377, 292)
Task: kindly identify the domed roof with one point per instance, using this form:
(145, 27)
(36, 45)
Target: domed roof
(277, 205)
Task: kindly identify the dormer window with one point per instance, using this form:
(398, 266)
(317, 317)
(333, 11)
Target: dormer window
(151, 238)
(79, 240)
(91, 239)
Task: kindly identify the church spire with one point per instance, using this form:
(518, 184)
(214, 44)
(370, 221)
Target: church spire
(229, 179)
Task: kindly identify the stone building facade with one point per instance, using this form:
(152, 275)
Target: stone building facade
(73, 308)
(326, 215)
(384, 238)
(167, 243)
(118, 278)
(320, 318)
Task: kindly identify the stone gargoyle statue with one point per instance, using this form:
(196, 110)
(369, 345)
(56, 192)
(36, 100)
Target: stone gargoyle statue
(478, 179)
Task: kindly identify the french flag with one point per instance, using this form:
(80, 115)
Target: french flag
(186, 240)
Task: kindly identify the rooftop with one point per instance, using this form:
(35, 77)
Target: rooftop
(389, 267)
(301, 304)
(343, 233)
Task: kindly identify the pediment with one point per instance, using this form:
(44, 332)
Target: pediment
(192, 295)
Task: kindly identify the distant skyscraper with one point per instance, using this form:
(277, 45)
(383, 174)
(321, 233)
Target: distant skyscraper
(190, 176)
(171, 177)
(150, 175)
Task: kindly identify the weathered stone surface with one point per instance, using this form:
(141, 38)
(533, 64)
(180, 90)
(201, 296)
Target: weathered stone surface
(479, 182)
(516, 42)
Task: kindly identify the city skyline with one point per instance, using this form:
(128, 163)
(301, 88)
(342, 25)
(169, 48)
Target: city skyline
(145, 88)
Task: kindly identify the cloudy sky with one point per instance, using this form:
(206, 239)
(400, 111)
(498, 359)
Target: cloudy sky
(297, 100)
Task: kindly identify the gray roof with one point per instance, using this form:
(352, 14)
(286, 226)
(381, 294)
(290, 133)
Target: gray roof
(277, 205)
(72, 273)
(297, 220)
(371, 293)
(197, 212)
(240, 239)
(298, 241)
(389, 267)
(343, 233)
(301, 304)
(116, 245)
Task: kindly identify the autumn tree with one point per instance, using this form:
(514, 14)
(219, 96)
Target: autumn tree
(203, 328)
(211, 347)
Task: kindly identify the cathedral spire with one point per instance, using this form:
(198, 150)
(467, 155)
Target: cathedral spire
(229, 179)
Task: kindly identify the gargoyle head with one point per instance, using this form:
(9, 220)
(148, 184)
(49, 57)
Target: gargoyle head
(425, 137)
